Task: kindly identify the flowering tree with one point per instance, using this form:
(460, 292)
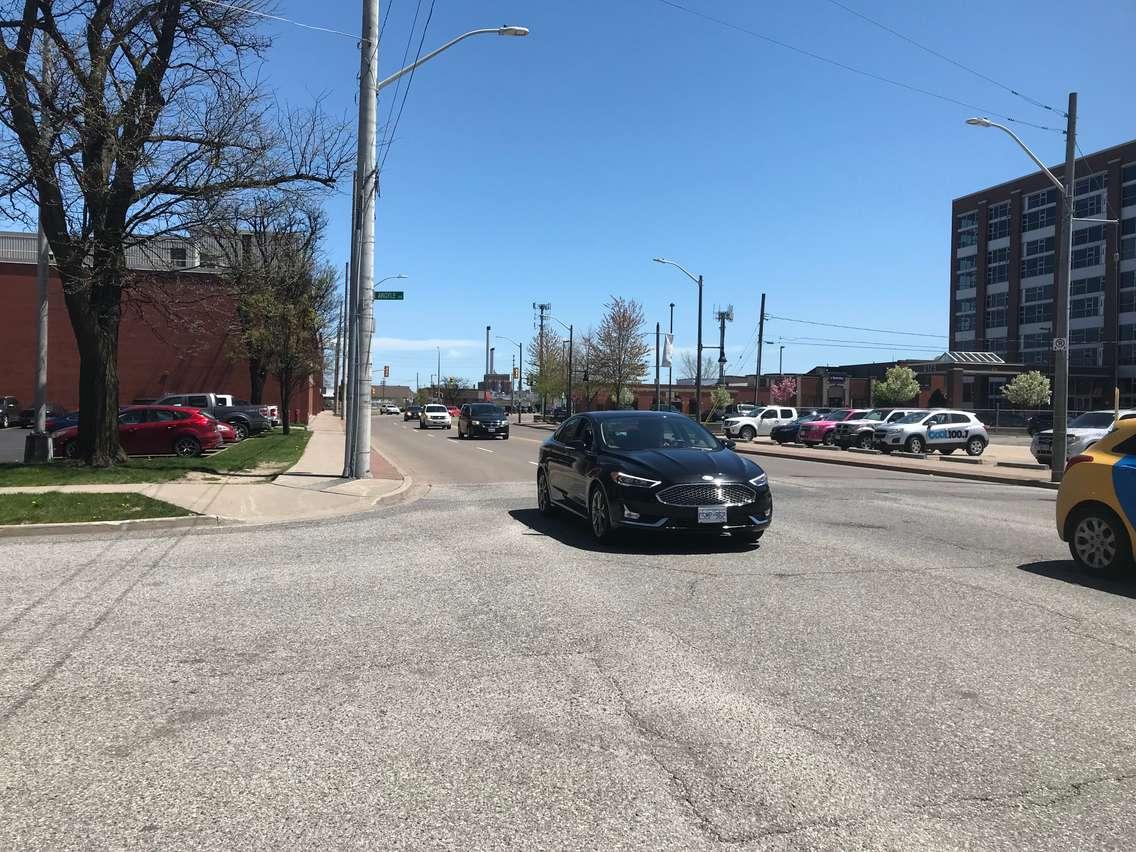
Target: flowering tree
(784, 391)
(1028, 390)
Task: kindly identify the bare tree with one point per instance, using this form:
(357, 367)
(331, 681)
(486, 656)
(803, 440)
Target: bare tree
(620, 350)
(141, 115)
(688, 366)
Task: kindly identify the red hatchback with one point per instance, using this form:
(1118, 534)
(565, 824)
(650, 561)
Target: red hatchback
(153, 430)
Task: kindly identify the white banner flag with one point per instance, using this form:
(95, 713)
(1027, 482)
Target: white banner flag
(668, 350)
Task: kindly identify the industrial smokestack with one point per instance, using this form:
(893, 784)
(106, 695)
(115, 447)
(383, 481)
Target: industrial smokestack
(492, 360)
(487, 328)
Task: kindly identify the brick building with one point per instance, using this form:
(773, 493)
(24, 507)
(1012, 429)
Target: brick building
(1003, 255)
(175, 335)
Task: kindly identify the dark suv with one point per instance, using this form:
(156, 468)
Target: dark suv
(411, 412)
(483, 420)
(9, 411)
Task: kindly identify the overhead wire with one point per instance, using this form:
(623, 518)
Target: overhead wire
(1033, 101)
(283, 20)
(406, 91)
(853, 69)
(856, 327)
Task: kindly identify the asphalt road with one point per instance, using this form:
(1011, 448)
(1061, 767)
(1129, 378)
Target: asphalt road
(903, 663)
(12, 444)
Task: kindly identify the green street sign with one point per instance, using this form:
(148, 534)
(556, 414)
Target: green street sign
(389, 295)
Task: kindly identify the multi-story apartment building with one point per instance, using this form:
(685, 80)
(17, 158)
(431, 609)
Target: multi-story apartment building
(1003, 255)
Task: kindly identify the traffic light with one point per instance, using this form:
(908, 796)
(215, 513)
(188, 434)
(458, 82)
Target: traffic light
(386, 371)
(516, 373)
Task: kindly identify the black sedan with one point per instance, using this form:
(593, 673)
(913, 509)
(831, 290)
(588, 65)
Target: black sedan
(787, 433)
(651, 470)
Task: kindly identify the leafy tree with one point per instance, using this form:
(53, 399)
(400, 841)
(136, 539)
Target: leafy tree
(620, 350)
(899, 386)
(784, 391)
(135, 116)
(422, 396)
(451, 388)
(1028, 390)
(548, 366)
(720, 397)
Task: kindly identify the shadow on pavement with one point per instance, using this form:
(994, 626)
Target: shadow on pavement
(1067, 571)
(573, 532)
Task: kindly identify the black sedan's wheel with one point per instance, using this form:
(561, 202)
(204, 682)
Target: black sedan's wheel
(187, 446)
(599, 515)
(748, 433)
(241, 428)
(3, 421)
(1099, 542)
(915, 444)
(544, 495)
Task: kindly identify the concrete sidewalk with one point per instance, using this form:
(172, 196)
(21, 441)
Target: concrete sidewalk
(312, 488)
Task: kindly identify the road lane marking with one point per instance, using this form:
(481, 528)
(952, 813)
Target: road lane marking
(484, 450)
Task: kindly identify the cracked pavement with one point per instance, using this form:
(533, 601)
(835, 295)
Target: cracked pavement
(903, 663)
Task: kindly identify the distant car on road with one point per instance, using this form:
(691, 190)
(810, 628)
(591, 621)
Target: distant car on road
(9, 411)
(758, 422)
(454, 410)
(434, 416)
(151, 430)
(651, 470)
(1081, 433)
(1096, 503)
(247, 419)
(411, 412)
(945, 430)
(483, 420)
(390, 408)
(861, 432)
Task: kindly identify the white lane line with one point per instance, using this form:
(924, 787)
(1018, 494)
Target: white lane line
(534, 464)
(484, 450)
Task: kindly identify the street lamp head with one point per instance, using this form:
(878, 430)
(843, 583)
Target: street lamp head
(660, 260)
(513, 31)
(401, 275)
(979, 122)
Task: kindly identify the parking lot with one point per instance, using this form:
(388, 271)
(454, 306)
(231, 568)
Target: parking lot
(12, 444)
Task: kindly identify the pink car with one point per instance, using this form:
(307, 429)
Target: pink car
(821, 431)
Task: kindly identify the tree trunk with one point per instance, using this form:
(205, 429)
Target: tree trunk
(257, 377)
(285, 379)
(94, 306)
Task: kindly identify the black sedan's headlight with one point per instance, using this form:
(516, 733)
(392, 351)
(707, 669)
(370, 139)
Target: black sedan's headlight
(627, 479)
(759, 481)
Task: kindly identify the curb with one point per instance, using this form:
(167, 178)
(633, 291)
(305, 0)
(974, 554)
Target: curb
(132, 525)
(946, 473)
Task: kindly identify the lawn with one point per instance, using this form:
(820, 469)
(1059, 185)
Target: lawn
(266, 454)
(55, 507)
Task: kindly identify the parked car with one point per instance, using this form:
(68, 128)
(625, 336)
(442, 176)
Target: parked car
(272, 412)
(666, 406)
(651, 470)
(150, 430)
(559, 413)
(54, 424)
(228, 433)
(483, 420)
(454, 410)
(434, 416)
(1096, 503)
(28, 415)
(738, 409)
(787, 433)
(9, 411)
(945, 430)
(390, 408)
(861, 432)
(749, 426)
(247, 419)
(1039, 423)
(411, 412)
(1081, 433)
(821, 430)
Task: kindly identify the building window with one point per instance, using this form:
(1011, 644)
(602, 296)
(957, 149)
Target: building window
(1036, 358)
(1128, 195)
(1095, 234)
(967, 264)
(965, 306)
(998, 221)
(1039, 312)
(1084, 357)
(1087, 256)
(1128, 173)
(1040, 340)
(997, 345)
(1033, 266)
(1084, 286)
(1085, 335)
(997, 300)
(1041, 199)
(967, 229)
(965, 280)
(964, 323)
(1039, 219)
(1038, 294)
(1128, 279)
(1126, 303)
(1084, 207)
(1092, 183)
(996, 318)
(1035, 247)
(1127, 354)
(997, 265)
(1128, 241)
(1090, 306)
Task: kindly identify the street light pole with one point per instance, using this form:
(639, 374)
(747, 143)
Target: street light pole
(568, 402)
(670, 365)
(521, 361)
(698, 365)
(1061, 280)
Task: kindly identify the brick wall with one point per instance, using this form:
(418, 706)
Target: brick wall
(175, 338)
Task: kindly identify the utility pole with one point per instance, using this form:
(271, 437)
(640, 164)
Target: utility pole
(544, 308)
(760, 347)
(488, 361)
(780, 362)
(37, 446)
(670, 368)
(367, 170)
(351, 299)
(1061, 301)
(570, 346)
(439, 348)
(723, 317)
(657, 404)
(513, 384)
(698, 366)
(338, 345)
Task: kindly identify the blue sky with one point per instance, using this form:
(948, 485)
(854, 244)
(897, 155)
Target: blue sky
(553, 168)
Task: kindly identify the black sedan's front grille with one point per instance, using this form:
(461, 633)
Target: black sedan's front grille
(707, 494)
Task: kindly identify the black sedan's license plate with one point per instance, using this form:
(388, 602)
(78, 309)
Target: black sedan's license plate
(711, 514)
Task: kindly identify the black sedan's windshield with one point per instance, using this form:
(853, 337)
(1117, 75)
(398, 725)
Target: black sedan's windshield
(655, 433)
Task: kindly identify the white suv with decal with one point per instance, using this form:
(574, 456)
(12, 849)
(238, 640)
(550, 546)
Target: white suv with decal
(758, 422)
(945, 430)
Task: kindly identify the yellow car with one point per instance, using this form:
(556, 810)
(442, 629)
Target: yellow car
(1096, 504)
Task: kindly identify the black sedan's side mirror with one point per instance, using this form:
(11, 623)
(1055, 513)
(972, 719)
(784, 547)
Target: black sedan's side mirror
(727, 443)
